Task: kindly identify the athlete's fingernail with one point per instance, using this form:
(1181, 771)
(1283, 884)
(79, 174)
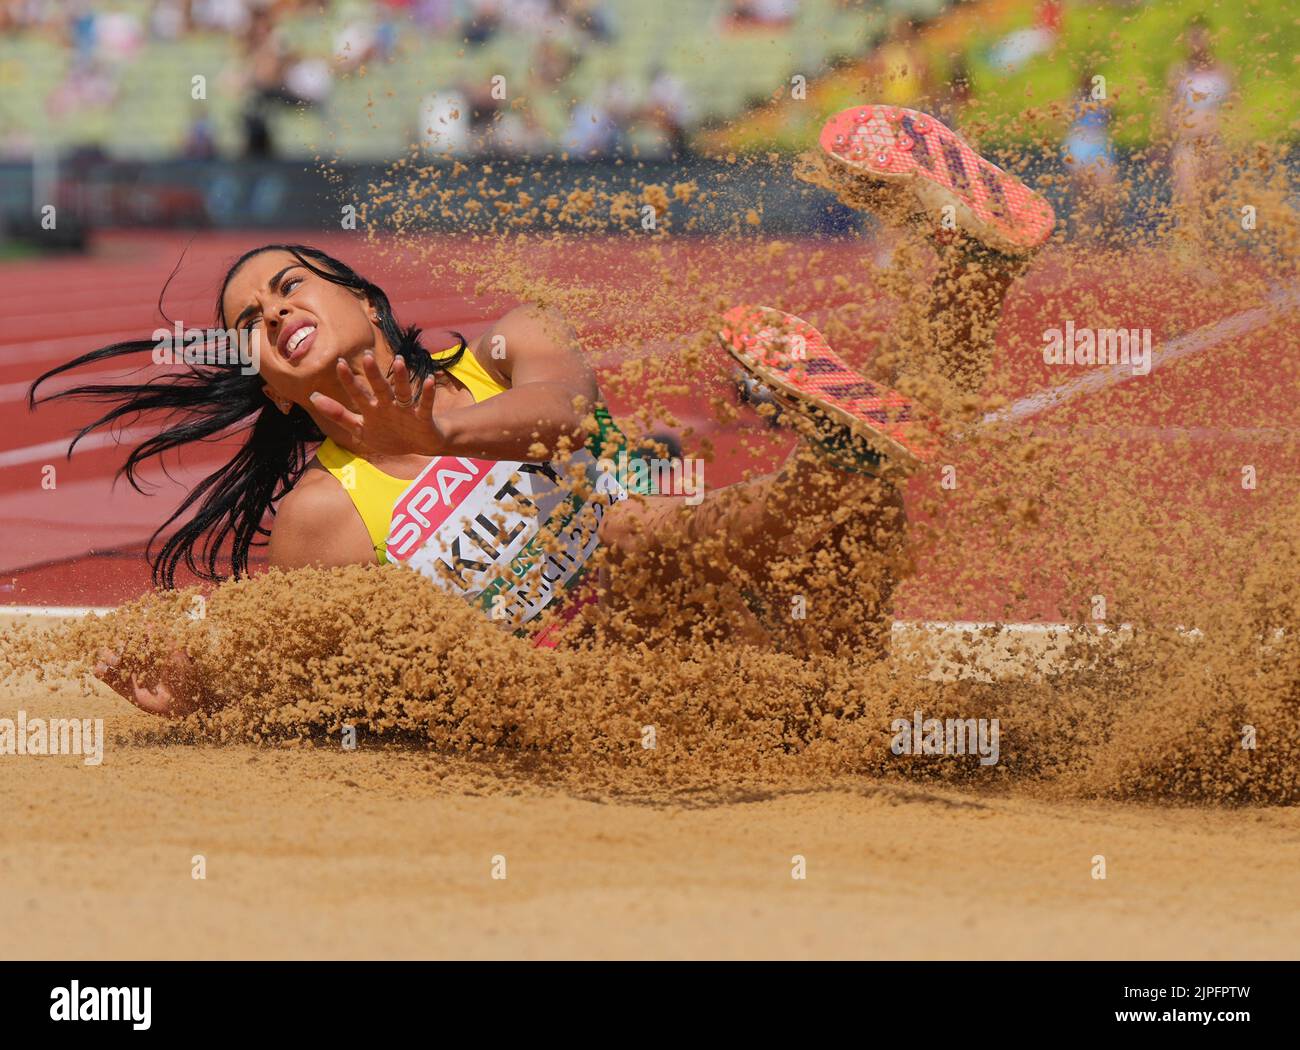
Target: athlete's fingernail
(313, 396)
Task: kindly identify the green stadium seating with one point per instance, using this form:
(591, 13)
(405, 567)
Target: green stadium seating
(374, 116)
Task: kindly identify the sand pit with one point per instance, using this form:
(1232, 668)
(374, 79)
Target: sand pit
(388, 853)
(609, 851)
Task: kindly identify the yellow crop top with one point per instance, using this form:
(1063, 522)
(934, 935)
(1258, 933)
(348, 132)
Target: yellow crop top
(375, 493)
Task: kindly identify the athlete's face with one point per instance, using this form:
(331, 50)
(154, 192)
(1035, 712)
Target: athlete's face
(304, 324)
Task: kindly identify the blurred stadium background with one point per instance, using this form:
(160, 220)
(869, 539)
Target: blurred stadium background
(260, 112)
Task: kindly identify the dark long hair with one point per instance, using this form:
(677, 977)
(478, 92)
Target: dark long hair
(204, 400)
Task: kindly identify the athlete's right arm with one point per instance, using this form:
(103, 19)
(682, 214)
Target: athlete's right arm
(317, 525)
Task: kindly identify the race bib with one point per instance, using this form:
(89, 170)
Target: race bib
(473, 527)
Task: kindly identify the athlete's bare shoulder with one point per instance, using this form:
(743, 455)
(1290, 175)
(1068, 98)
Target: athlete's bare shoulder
(534, 344)
(317, 524)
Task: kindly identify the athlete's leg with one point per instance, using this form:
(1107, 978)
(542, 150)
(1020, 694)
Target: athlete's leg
(839, 595)
(914, 173)
(805, 556)
(963, 307)
(758, 536)
(747, 526)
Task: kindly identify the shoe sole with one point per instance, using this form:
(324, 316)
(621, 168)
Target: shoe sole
(791, 358)
(921, 167)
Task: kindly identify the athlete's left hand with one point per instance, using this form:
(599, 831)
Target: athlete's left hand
(386, 416)
(172, 689)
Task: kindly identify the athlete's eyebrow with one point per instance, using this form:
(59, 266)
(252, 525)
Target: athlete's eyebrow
(272, 285)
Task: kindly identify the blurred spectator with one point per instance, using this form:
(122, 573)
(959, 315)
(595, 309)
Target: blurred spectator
(368, 36)
(763, 12)
(596, 124)
(444, 123)
(1090, 160)
(955, 95)
(225, 16)
(169, 19)
(553, 61)
(1015, 49)
(483, 23)
(90, 87)
(518, 131)
(588, 17)
(530, 16)
(118, 36)
(101, 44)
(470, 119)
(81, 33)
(668, 109)
(1198, 88)
(901, 65)
(201, 136)
(436, 15)
(274, 77)
(484, 112)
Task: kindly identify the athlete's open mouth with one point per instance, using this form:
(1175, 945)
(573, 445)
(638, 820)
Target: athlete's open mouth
(296, 340)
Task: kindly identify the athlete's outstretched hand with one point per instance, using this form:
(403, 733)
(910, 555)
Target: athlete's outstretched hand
(172, 689)
(385, 416)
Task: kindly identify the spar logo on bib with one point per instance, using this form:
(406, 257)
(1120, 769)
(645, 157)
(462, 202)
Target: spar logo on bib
(441, 487)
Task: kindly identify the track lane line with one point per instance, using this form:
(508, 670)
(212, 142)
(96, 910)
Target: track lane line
(46, 450)
(1188, 345)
